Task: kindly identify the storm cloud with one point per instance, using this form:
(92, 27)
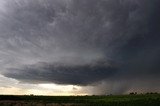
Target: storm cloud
(81, 42)
(63, 74)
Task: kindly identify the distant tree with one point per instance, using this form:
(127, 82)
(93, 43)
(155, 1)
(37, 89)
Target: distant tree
(31, 94)
(155, 92)
(133, 93)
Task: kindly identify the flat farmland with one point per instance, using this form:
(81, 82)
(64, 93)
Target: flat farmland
(111, 100)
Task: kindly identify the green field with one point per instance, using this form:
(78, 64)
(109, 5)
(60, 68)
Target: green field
(112, 100)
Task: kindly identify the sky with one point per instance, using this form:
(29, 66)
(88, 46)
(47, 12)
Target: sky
(79, 47)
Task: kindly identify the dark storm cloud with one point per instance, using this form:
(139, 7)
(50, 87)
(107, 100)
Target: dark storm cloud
(69, 37)
(63, 74)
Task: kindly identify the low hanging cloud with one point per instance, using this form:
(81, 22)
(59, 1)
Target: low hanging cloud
(81, 42)
(63, 74)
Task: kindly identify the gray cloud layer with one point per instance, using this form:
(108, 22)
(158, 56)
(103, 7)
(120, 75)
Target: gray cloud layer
(63, 74)
(80, 42)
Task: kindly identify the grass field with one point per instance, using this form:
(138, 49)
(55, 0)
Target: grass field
(112, 100)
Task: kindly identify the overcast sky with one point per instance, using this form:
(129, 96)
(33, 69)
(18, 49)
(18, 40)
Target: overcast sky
(70, 47)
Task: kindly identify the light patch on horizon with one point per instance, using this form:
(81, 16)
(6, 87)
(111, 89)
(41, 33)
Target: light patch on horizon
(13, 87)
